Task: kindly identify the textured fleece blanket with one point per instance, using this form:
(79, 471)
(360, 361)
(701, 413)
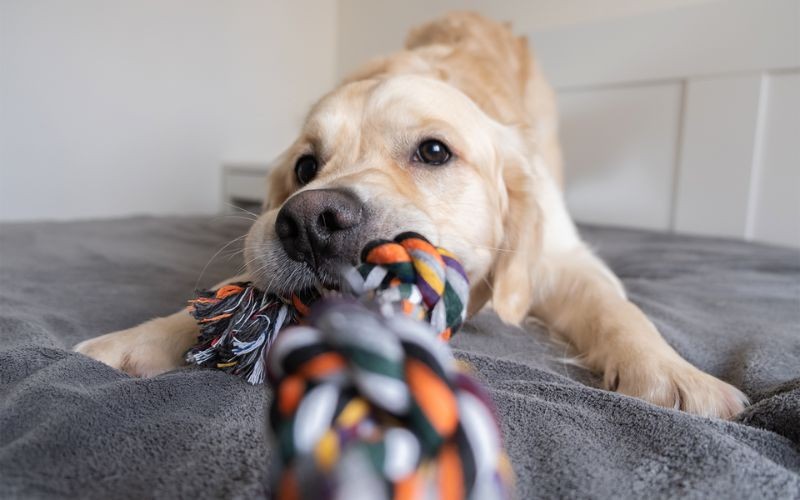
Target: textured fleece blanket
(73, 427)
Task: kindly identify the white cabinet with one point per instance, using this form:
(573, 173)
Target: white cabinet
(244, 185)
(684, 119)
(776, 194)
(619, 147)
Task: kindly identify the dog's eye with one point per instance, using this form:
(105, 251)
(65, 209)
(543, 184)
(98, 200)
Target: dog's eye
(432, 152)
(305, 169)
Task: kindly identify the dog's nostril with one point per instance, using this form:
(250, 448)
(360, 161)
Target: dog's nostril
(286, 227)
(328, 220)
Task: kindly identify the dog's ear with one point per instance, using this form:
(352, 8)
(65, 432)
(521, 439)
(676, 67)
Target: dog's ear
(512, 275)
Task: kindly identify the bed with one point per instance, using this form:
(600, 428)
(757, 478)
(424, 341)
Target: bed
(73, 427)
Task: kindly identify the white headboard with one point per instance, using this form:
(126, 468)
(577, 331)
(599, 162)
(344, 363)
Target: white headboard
(685, 119)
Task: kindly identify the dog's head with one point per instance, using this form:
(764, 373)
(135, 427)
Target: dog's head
(378, 157)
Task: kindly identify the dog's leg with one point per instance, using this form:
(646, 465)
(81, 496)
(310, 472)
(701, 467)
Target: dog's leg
(150, 348)
(581, 299)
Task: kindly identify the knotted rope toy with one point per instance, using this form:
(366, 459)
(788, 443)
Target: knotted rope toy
(239, 322)
(368, 402)
(369, 406)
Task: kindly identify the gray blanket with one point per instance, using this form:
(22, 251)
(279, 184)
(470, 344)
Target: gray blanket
(73, 427)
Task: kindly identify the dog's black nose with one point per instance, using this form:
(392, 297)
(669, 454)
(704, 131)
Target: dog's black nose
(320, 226)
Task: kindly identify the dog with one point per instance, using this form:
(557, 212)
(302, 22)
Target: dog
(456, 138)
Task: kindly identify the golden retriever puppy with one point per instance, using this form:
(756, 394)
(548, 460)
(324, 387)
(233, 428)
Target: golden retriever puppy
(456, 138)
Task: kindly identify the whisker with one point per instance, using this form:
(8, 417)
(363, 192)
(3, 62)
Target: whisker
(197, 283)
(231, 205)
(233, 216)
(243, 267)
(497, 249)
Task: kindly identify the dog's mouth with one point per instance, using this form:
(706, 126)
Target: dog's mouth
(324, 278)
(316, 237)
(283, 275)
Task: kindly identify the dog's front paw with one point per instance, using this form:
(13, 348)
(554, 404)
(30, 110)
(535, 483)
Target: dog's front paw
(673, 382)
(143, 351)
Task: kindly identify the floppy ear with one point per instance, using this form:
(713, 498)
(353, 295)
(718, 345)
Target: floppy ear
(514, 266)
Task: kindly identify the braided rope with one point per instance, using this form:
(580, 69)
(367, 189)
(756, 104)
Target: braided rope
(422, 280)
(367, 407)
(238, 322)
(368, 403)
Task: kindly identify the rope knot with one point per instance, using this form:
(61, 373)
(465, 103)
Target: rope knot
(359, 393)
(424, 281)
(368, 403)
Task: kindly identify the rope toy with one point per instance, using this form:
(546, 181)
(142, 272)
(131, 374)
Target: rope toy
(368, 406)
(426, 282)
(238, 322)
(368, 402)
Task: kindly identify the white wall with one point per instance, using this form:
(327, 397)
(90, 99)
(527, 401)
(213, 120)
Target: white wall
(676, 114)
(709, 151)
(370, 28)
(115, 108)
